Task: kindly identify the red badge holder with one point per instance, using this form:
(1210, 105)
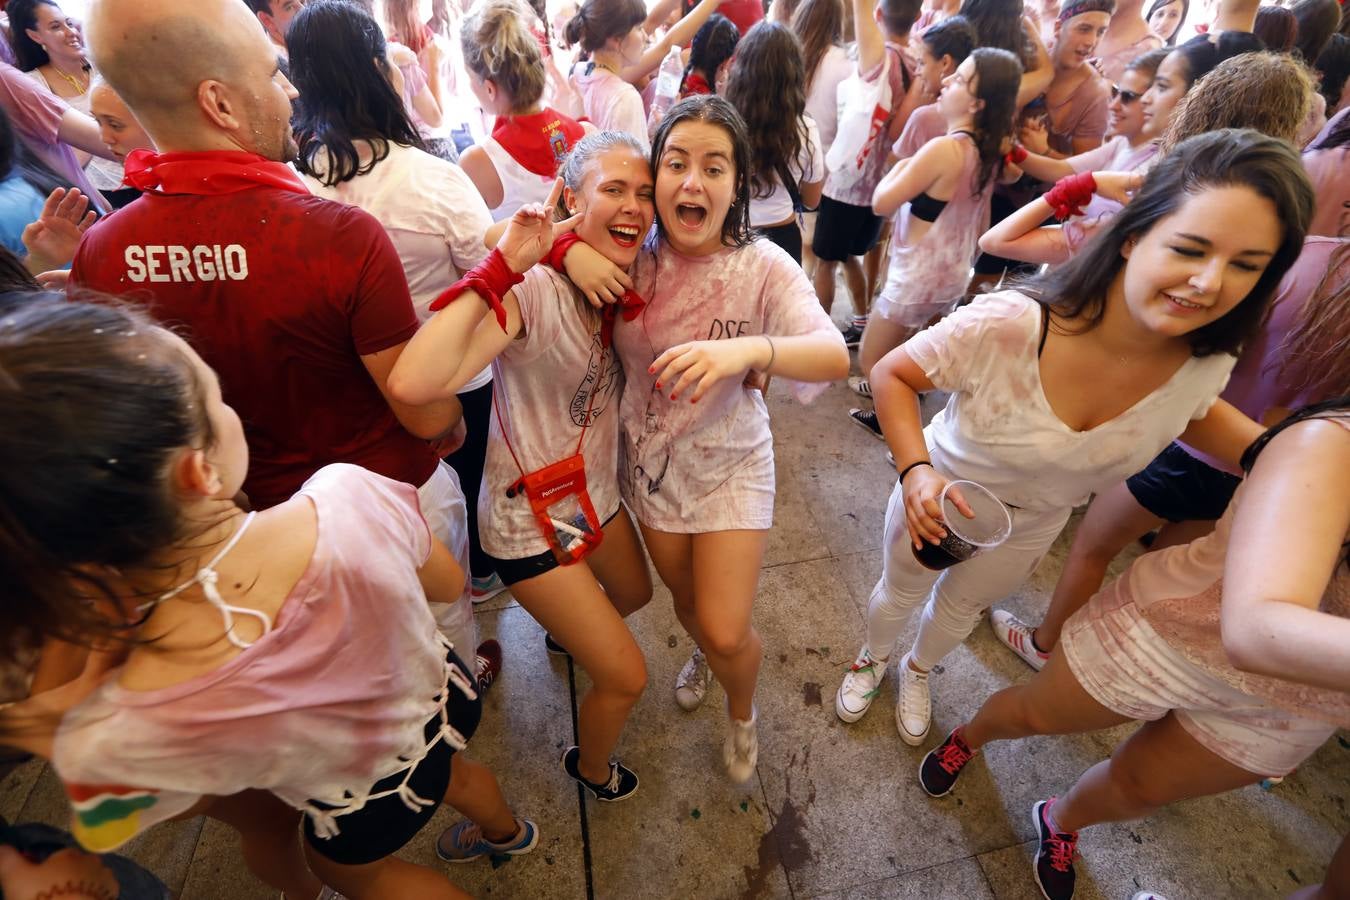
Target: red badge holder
(557, 493)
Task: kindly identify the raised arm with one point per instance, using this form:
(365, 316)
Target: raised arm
(1285, 546)
(679, 35)
(1035, 79)
(464, 336)
(871, 42)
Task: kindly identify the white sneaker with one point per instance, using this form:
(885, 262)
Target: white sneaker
(740, 752)
(860, 386)
(914, 711)
(861, 686)
(1016, 636)
(691, 686)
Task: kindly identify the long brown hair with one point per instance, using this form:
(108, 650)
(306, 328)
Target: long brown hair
(767, 86)
(819, 25)
(96, 402)
(1316, 351)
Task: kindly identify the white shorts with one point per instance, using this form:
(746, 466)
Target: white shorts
(1126, 666)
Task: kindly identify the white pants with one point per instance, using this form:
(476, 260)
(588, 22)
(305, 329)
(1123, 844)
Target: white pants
(442, 504)
(955, 597)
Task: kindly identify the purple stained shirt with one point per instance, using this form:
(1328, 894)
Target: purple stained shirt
(36, 115)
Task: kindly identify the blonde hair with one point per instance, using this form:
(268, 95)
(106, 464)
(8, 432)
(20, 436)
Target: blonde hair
(499, 47)
(1266, 92)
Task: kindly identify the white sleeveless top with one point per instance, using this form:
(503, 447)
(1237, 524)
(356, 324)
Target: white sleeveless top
(519, 184)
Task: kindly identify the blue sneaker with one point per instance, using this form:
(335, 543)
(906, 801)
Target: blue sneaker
(464, 842)
(483, 589)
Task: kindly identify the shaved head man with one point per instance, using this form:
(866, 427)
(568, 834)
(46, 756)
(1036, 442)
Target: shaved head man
(299, 303)
(202, 76)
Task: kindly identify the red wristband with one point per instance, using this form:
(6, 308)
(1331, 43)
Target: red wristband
(1017, 155)
(490, 279)
(1070, 194)
(561, 244)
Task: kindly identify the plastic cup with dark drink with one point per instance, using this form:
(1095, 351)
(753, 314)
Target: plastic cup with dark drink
(966, 537)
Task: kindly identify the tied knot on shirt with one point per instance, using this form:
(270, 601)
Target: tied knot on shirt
(1070, 194)
(207, 172)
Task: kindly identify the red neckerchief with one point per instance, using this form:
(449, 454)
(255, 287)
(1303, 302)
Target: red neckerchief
(539, 142)
(695, 84)
(207, 172)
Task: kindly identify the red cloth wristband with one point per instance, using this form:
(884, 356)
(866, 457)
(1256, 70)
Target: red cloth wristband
(490, 279)
(1017, 155)
(1070, 194)
(561, 244)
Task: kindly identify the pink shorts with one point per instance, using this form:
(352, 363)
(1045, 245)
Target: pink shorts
(1125, 665)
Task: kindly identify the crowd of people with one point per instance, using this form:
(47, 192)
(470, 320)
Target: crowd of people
(322, 321)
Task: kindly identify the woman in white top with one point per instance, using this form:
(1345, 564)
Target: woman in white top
(612, 33)
(358, 146)
(767, 86)
(1233, 651)
(558, 388)
(518, 162)
(1066, 390)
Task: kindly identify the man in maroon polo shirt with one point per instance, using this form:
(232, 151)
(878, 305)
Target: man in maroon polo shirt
(299, 304)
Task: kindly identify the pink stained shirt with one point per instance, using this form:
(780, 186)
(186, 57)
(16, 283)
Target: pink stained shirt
(1179, 591)
(550, 382)
(332, 699)
(692, 468)
(36, 114)
(927, 275)
(611, 103)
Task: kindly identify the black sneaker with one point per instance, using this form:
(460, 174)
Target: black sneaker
(943, 764)
(553, 646)
(622, 784)
(852, 335)
(867, 418)
(1054, 856)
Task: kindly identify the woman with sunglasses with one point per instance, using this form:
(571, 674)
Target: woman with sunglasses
(1131, 147)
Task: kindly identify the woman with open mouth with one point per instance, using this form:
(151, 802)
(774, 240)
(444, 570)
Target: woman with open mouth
(698, 454)
(556, 399)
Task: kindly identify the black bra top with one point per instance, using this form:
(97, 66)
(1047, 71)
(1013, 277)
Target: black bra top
(926, 208)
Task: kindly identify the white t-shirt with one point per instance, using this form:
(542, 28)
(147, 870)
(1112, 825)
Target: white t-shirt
(545, 382)
(433, 214)
(692, 468)
(809, 167)
(822, 102)
(998, 428)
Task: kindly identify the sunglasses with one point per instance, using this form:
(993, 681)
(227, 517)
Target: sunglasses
(1126, 97)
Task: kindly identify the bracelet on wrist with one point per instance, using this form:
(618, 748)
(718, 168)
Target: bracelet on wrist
(914, 465)
(773, 353)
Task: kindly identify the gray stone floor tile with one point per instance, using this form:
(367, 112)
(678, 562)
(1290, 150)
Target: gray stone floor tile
(688, 832)
(963, 879)
(17, 785)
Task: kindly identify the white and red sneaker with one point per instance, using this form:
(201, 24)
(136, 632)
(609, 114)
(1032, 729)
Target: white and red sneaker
(1016, 635)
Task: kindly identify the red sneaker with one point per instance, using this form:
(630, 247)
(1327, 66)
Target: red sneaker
(488, 660)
